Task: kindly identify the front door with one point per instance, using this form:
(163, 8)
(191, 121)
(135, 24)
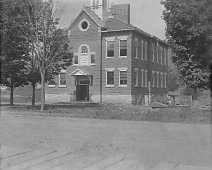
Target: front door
(82, 92)
(82, 88)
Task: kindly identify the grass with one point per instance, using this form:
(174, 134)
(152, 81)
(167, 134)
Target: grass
(118, 112)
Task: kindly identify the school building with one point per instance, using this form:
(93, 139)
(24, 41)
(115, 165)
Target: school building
(113, 61)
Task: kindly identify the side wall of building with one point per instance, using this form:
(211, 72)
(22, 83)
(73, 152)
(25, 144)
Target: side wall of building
(147, 91)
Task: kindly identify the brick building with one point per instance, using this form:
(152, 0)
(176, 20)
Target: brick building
(114, 61)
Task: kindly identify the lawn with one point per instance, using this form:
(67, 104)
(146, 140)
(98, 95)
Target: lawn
(117, 112)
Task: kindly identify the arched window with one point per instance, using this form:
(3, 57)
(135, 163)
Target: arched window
(84, 50)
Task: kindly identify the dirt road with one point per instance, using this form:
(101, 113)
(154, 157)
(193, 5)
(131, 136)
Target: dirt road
(37, 142)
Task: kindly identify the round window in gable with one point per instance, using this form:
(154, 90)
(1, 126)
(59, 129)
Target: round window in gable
(84, 25)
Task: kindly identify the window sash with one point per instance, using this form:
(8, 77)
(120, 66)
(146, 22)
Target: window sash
(142, 78)
(146, 83)
(62, 79)
(136, 49)
(93, 60)
(123, 77)
(165, 76)
(145, 51)
(110, 48)
(161, 80)
(153, 79)
(136, 77)
(84, 50)
(153, 52)
(123, 48)
(110, 77)
(76, 60)
(157, 79)
(142, 50)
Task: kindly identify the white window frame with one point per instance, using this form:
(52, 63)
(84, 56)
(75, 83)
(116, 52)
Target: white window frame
(161, 79)
(142, 49)
(122, 69)
(153, 52)
(110, 70)
(145, 50)
(153, 78)
(107, 40)
(122, 38)
(136, 48)
(146, 78)
(62, 72)
(80, 24)
(136, 77)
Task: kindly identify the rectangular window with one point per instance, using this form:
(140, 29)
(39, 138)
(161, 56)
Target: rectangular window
(110, 49)
(157, 78)
(75, 59)
(146, 80)
(165, 56)
(122, 78)
(136, 49)
(158, 53)
(93, 60)
(62, 80)
(123, 48)
(136, 77)
(142, 50)
(145, 51)
(142, 78)
(110, 78)
(165, 77)
(161, 55)
(153, 52)
(161, 80)
(153, 78)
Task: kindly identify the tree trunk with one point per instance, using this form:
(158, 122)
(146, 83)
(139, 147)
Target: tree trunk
(42, 87)
(33, 94)
(11, 94)
(195, 97)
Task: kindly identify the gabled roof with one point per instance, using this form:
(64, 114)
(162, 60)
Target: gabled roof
(92, 15)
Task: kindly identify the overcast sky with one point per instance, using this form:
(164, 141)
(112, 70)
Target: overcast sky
(145, 14)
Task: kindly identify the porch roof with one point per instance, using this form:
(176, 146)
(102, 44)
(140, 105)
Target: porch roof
(80, 72)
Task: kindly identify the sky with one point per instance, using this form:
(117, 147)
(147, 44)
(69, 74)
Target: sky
(145, 14)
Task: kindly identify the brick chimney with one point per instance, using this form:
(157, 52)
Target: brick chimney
(121, 11)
